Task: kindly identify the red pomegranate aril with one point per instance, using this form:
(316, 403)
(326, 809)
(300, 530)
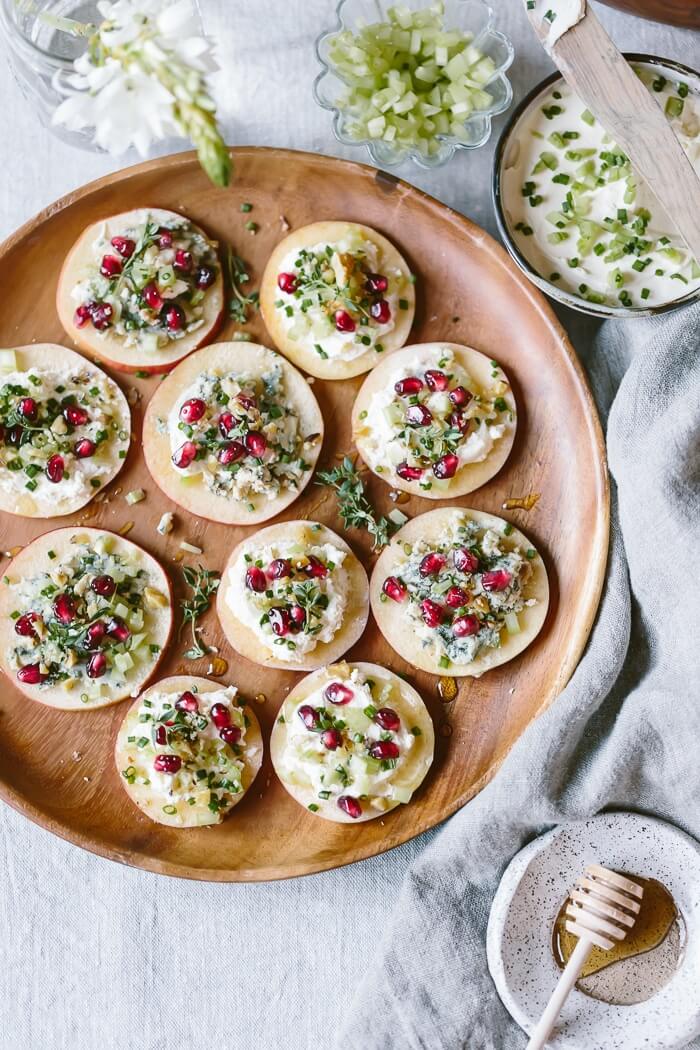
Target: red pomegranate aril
(459, 421)
(497, 580)
(124, 245)
(432, 564)
(419, 416)
(255, 579)
(331, 739)
(95, 634)
(76, 415)
(104, 586)
(65, 608)
(117, 629)
(101, 316)
(350, 805)
(192, 410)
(279, 568)
(309, 716)
(174, 317)
(13, 436)
(185, 454)
(161, 736)
(167, 764)
(187, 702)
(344, 322)
(338, 693)
(227, 422)
(431, 612)
(230, 453)
(165, 238)
(205, 277)
(220, 715)
(315, 568)
(97, 665)
(31, 675)
(409, 473)
(287, 282)
(82, 315)
(460, 396)
(230, 735)
(456, 597)
(376, 282)
(84, 448)
(247, 401)
(464, 626)
(436, 379)
(394, 589)
(446, 467)
(380, 311)
(388, 719)
(152, 297)
(297, 617)
(255, 443)
(111, 266)
(465, 561)
(384, 749)
(183, 260)
(55, 467)
(409, 386)
(24, 625)
(27, 408)
(279, 621)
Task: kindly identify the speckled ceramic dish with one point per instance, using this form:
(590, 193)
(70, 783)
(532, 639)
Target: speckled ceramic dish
(522, 918)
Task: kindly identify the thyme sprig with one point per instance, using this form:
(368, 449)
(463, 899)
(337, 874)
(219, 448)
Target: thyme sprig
(203, 583)
(353, 505)
(240, 303)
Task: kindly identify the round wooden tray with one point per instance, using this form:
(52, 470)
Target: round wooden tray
(57, 768)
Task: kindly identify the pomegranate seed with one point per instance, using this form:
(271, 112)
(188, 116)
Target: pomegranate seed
(279, 621)
(110, 266)
(193, 410)
(65, 608)
(409, 473)
(167, 763)
(287, 282)
(230, 735)
(315, 568)
(408, 386)
(384, 749)
(31, 675)
(55, 468)
(183, 260)
(456, 597)
(309, 716)
(465, 561)
(463, 626)
(124, 245)
(84, 448)
(255, 579)
(97, 665)
(431, 612)
(376, 282)
(279, 568)
(187, 702)
(82, 315)
(230, 453)
(28, 408)
(161, 736)
(460, 396)
(418, 416)
(117, 629)
(247, 401)
(104, 586)
(220, 715)
(205, 278)
(24, 625)
(14, 436)
(76, 415)
(459, 421)
(394, 589)
(165, 238)
(497, 580)
(350, 805)
(432, 564)
(95, 634)
(344, 322)
(227, 422)
(101, 316)
(255, 443)
(152, 297)
(338, 693)
(297, 615)
(446, 467)
(381, 311)
(388, 719)
(436, 380)
(174, 317)
(331, 739)
(185, 454)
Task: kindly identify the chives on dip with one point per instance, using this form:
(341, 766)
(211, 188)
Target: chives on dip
(573, 208)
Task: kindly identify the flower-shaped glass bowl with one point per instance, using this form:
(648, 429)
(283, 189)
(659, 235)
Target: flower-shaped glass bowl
(471, 16)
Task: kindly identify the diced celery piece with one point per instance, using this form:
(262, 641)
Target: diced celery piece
(123, 662)
(8, 361)
(512, 625)
(191, 480)
(401, 794)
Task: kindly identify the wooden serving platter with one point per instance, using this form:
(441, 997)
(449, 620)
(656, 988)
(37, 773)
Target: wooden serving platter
(57, 768)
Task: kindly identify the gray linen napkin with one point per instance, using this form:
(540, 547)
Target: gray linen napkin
(624, 733)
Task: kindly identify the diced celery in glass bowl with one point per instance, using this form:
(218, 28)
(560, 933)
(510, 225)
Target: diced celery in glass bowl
(413, 80)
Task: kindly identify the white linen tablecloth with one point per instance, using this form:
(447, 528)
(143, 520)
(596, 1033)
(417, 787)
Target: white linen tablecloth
(94, 955)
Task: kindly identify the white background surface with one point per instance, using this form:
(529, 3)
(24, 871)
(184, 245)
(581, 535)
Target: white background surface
(93, 955)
